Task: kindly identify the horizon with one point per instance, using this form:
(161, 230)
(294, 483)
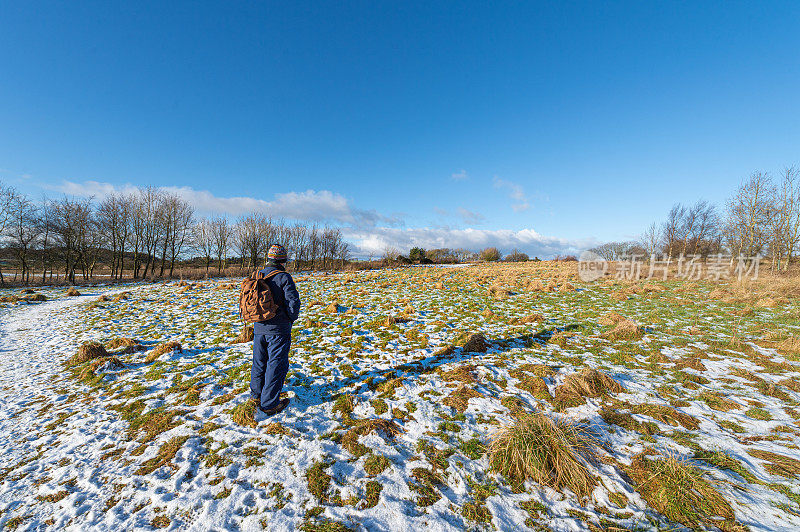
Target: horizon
(545, 128)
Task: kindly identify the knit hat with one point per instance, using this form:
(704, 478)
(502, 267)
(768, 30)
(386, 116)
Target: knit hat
(277, 253)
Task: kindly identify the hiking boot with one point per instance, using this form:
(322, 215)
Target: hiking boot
(281, 405)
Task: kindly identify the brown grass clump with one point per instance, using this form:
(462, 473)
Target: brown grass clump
(72, 292)
(166, 347)
(610, 318)
(244, 414)
(550, 452)
(678, 490)
(625, 330)
(589, 382)
(473, 343)
(498, 292)
(276, 429)
(87, 351)
(464, 373)
(129, 344)
(766, 302)
(459, 399)
(533, 384)
(245, 335)
(778, 464)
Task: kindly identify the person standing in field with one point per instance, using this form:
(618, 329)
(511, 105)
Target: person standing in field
(273, 337)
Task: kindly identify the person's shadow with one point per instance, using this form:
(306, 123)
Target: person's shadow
(310, 392)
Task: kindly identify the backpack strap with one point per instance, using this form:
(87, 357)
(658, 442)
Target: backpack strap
(258, 275)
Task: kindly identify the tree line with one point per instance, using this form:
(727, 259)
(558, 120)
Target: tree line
(762, 218)
(147, 232)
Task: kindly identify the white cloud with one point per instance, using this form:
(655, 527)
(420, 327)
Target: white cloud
(515, 192)
(368, 230)
(460, 175)
(376, 240)
(311, 205)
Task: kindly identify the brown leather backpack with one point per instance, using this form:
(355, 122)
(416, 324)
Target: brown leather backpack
(255, 298)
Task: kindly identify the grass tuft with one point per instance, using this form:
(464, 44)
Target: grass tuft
(87, 352)
(678, 490)
(549, 451)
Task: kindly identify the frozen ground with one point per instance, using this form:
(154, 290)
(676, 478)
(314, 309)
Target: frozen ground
(154, 444)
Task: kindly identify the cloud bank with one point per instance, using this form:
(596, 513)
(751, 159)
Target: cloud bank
(370, 232)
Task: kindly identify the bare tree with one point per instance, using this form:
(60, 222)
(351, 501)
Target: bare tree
(23, 231)
(7, 196)
(749, 214)
(221, 232)
(650, 240)
(203, 237)
(70, 217)
(45, 223)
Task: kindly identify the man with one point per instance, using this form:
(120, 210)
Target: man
(272, 338)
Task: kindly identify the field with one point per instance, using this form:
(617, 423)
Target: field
(480, 397)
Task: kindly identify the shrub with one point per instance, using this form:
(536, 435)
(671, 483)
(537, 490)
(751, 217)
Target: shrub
(490, 255)
(517, 256)
(550, 452)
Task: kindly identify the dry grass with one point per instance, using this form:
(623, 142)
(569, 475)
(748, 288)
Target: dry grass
(72, 292)
(589, 382)
(245, 335)
(459, 399)
(166, 453)
(167, 347)
(86, 352)
(464, 374)
(129, 345)
(666, 414)
(778, 464)
(244, 414)
(611, 318)
(678, 490)
(718, 402)
(624, 330)
(473, 343)
(548, 451)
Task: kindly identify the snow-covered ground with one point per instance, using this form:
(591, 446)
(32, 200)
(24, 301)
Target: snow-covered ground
(153, 444)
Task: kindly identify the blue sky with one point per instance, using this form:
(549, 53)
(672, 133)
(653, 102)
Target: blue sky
(542, 125)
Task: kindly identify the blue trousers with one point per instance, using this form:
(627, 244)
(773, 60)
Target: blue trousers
(270, 365)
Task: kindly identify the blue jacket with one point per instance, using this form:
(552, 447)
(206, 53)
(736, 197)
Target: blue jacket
(284, 293)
